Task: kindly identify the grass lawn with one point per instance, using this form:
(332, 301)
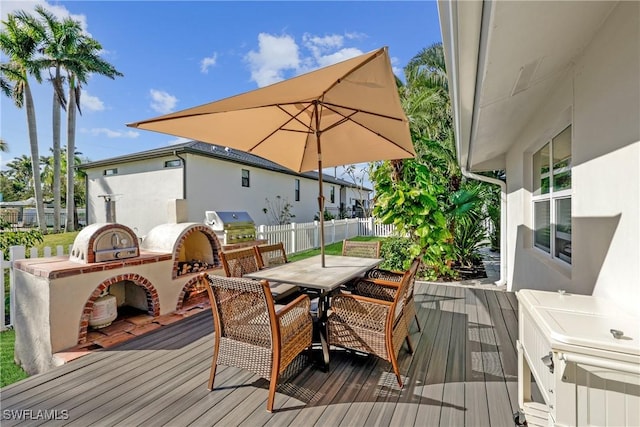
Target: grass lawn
(9, 371)
(53, 240)
(332, 249)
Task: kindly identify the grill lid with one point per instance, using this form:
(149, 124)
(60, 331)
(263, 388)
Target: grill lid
(219, 220)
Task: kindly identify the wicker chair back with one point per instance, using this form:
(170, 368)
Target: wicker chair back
(361, 249)
(271, 255)
(238, 262)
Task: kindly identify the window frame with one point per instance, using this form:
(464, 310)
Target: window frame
(552, 196)
(173, 163)
(246, 180)
(110, 172)
(332, 194)
(296, 190)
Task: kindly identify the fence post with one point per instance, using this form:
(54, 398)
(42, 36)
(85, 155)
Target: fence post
(316, 233)
(15, 252)
(59, 250)
(294, 246)
(261, 232)
(333, 231)
(4, 264)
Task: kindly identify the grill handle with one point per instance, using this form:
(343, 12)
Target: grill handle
(597, 362)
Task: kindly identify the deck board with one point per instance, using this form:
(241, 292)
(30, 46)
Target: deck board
(463, 372)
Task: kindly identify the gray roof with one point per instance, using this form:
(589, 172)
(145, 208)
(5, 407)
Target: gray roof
(215, 151)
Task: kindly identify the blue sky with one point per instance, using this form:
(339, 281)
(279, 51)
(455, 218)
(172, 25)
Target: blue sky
(176, 55)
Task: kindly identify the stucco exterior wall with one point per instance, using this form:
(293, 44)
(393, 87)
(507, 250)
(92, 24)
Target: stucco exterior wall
(600, 98)
(215, 185)
(143, 188)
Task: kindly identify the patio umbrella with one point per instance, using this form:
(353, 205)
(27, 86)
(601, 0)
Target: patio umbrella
(342, 114)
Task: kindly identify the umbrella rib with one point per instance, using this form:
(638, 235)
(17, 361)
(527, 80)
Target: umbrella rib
(292, 118)
(349, 118)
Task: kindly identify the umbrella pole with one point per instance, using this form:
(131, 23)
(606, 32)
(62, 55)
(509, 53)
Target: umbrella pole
(321, 190)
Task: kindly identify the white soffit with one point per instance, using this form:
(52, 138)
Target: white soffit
(527, 47)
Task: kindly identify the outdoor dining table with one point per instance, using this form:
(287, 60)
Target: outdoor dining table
(321, 281)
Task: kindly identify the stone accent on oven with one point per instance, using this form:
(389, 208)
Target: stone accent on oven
(153, 302)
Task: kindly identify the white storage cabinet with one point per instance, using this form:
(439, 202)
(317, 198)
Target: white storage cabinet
(584, 354)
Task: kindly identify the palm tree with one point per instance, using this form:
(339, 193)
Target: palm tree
(20, 172)
(84, 60)
(4, 147)
(20, 46)
(58, 39)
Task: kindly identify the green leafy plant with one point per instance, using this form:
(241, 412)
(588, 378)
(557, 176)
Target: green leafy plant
(278, 211)
(328, 216)
(407, 197)
(395, 252)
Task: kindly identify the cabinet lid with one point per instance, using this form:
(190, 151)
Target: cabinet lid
(583, 320)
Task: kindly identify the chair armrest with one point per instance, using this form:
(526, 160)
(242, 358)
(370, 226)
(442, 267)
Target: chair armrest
(379, 273)
(293, 317)
(376, 288)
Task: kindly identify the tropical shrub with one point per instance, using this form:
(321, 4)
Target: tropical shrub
(395, 252)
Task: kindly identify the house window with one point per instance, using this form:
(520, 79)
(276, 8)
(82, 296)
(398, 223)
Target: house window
(245, 178)
(108, 172)
(297, 190)
(332, 195)
(552, 197)
(172, 163)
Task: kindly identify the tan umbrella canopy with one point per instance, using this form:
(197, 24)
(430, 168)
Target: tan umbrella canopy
(345, 113)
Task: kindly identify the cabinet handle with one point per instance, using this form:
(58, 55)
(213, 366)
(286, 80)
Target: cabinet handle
(548, 361)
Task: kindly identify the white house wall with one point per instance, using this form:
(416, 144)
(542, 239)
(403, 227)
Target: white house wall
(143, 189)
(217, 185)
(600, 97)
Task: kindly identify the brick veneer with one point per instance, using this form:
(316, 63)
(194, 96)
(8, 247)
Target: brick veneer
(192, 285)
(153, 302)
(213, 241)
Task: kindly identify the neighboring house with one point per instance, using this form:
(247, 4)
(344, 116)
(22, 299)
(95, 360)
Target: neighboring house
(550, 93)
(208, 178)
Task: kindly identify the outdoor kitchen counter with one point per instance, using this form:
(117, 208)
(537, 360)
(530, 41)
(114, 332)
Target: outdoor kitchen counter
(60, 266)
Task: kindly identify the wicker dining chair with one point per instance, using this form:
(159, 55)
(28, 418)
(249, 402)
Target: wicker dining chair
(371, 288)
(371, 325)
(250, 334)
(239, 262)
(361, 249)
(271, 255)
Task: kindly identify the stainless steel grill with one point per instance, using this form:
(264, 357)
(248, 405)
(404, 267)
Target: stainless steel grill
(231, 227)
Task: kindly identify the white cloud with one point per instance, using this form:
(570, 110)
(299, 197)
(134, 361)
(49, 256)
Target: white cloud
(29, 6)
(207, 63)
(91, 103)
(275, 55)
(162, 102)
(280, 57)
(130, 134)
(179, 141)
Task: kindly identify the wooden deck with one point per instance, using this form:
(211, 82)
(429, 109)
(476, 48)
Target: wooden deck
(463, 372)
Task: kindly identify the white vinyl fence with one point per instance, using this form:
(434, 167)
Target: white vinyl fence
(305, 236)
(296, 238)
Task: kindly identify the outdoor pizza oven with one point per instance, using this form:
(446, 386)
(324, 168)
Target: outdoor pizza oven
(231, 227)
(103, 242)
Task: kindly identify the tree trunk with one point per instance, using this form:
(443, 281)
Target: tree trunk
(56, 162)
(71, 149)
(35, 156)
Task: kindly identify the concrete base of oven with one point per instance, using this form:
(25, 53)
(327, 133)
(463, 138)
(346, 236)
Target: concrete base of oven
(50, 299)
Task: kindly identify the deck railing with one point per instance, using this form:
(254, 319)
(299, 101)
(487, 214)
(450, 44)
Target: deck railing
(296, 238)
